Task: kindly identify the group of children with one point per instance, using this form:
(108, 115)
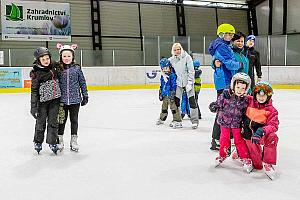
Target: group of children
(57, 90)
(252, 121)
(244, 110)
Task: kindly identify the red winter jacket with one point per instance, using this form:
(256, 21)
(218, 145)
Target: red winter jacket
(259, 115)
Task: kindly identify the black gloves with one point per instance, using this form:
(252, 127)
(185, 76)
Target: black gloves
(226, 94)
(34, 111)
(172, 97)
(160, 96)
(84, 101)
(213, 107)
(257, 136)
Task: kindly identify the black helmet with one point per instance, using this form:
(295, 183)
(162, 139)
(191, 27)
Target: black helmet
(41, 51)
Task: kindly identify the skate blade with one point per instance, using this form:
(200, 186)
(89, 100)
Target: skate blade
(249, 170)
(271, 177)
(75, 150)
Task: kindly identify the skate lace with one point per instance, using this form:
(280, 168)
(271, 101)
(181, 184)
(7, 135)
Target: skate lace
(53, 146)
(247, 161)
(37, 145)
(268, 167)
(235, 155)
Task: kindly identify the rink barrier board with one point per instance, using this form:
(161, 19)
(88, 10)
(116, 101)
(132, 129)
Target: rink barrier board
(17, 80)
(132, 87)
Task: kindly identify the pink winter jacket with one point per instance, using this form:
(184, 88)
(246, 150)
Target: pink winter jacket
(260, 115)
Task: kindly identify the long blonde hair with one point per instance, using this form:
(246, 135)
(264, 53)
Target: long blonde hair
(176, 44)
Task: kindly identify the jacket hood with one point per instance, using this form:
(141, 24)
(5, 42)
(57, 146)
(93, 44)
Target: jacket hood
(264, 105)
(38, 67)
(182, 55)
(215, 44)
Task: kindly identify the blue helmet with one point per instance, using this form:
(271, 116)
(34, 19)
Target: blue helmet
(196, 64)
(251, 37)
(164, 62)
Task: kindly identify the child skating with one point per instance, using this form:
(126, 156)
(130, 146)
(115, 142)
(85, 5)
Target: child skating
(74, 92)
(167, 94)
(259, 129)
(45, 93)
(230, 112)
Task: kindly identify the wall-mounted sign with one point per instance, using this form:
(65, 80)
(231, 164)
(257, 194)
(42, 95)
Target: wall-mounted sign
(11, 78)
(35, 21)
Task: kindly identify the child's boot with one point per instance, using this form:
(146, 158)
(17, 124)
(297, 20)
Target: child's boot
(38, 147)
(214, 145)
(73, 144)
(54, 148)
(247, 165)
(159, 121)
(177, 125)
(269, 171)
(61, 144)
(219, 160)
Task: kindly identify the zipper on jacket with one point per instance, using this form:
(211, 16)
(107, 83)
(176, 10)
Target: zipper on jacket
(54, 90)
(68, 86)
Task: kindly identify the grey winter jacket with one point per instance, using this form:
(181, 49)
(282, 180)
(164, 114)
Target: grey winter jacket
(184, 69)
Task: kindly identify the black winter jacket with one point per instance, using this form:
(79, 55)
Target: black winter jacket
(254, 62)
(44, 84)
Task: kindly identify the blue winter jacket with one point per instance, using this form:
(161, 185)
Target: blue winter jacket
(169, 86)
(72, 84)
(220, 50)
(240, 57)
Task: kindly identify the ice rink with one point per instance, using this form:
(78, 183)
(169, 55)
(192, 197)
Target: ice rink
(124, 156)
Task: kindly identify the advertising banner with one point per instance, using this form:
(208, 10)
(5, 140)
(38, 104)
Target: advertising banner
(153, 75)
(35, 21)
(11, 78)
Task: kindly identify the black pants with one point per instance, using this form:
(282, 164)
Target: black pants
(216, 129)
(73, 110)
(47, 113)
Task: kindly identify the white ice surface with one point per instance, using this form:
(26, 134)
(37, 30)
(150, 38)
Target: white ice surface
(125, 156)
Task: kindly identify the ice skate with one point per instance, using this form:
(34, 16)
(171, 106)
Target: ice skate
(73, 144)
(235, 155)
(171, 124)
(54, 148)
(38, 147)
(61, 144)
(194, 125)
(269, 171)
(219, 160)
(247, 165)
(177, 125)
(159, 122)
(215, 146)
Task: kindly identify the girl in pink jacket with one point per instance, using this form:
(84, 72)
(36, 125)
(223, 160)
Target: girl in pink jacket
(259, 129)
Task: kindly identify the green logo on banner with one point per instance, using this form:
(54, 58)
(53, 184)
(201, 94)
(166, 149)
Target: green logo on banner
(14, 12)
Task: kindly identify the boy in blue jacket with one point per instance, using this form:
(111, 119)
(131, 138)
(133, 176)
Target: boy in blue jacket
(167, 94)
